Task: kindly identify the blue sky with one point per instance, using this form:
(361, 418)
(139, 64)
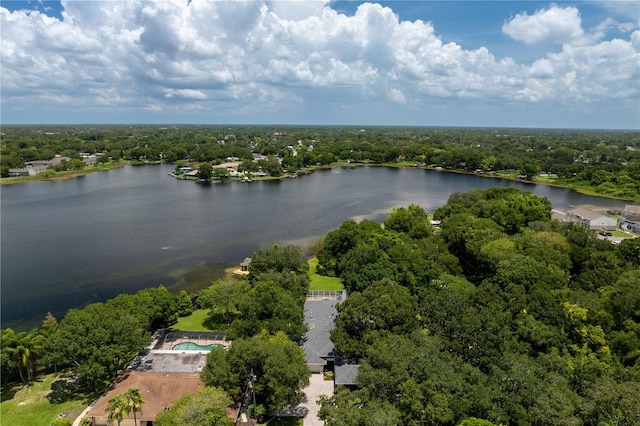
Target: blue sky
(431, 63)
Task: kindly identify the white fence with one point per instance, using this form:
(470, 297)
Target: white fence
(327, 295)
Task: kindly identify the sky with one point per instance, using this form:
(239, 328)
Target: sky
(300, 62)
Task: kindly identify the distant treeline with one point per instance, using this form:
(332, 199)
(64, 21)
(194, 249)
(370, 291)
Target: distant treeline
(601, 161)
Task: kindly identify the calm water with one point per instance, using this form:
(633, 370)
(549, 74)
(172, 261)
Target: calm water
(71, 242)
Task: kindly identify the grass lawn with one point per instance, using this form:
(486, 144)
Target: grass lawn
(193, 322)
(622, 234)
(28, 405)
(320, 282)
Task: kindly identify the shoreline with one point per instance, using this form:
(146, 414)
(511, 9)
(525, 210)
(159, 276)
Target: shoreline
(310, 169)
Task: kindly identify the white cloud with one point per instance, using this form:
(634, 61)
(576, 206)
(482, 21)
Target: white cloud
(627, 9)
(553, 25)
(297, 10)
(253, 56)
(397, 96)
(184, 93)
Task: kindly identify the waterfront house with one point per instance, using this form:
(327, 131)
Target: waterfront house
(630, 218)
(18, 172)
(592, 220)
(320, 318)
(320, 313)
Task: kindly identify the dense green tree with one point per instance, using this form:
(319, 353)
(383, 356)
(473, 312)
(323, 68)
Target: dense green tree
(630, 250)
(184, 305)
(271, 166)
(525, 271)
(418, 262)
(472, 421)
(101, 339)
(611, 402)
(222, 298)
(155, 304)
(339, 242)
(277, 363)
(277, 259)
(207, 406)
(411, 221)
(383, 306)
(267, 306)
(205, 171)
(624, 297)
(347, 408)
(296, 284)
(466, 236)
(364, 265)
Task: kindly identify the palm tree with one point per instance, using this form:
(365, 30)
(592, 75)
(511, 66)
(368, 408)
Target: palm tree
(134, 400)
(21, 354)
(117, 408)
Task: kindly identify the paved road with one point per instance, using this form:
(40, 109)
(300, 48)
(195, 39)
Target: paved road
(317, 386)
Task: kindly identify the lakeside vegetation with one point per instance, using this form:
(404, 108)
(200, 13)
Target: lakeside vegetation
(599, 162)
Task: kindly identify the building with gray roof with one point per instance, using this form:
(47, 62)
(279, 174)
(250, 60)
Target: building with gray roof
(320, 318)
(320, 313)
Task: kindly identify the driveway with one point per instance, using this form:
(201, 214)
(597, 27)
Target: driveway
(317, 386)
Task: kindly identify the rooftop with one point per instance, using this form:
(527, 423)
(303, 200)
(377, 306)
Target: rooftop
(160, 390)
(346, 374)
(319, 315)
(585, 214)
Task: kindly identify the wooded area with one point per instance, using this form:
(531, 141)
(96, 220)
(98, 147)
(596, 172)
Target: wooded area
(501, 315)
(605, 162)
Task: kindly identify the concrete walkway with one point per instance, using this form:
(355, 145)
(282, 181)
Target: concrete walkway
(78, 419)
(317, 386)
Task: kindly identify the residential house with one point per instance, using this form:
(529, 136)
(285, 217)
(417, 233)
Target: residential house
(320, 318)
(630, 218)
(18, 172)
(165, 371)
(592, 220)
(346, 374)
(320, 314)
(89, 159)
(159, 389)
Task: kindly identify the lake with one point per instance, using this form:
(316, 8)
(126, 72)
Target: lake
(71, 242)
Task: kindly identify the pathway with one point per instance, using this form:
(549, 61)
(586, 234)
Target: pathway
(78, 419)
(317, 386)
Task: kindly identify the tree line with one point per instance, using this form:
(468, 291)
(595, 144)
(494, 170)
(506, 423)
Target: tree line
(501, 316)
(604, 162)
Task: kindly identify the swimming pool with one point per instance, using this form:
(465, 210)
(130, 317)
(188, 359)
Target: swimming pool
(191, 346)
